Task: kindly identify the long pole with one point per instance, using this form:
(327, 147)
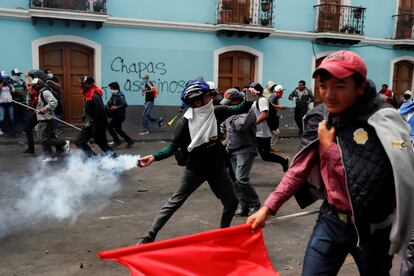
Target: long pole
(37, 111)
(288, 217)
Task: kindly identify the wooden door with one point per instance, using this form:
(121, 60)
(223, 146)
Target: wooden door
(329, 16)
(235, 69)
(235, 11)
(405, 20)
(316, 94)
(69, 62)
(402, 78)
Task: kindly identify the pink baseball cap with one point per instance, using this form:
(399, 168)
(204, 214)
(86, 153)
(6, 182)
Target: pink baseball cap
(342, 64)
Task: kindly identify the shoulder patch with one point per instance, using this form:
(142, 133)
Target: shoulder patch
(360, 136)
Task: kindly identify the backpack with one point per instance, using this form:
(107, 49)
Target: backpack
(272, 118)
(155, 91)
(58, 110)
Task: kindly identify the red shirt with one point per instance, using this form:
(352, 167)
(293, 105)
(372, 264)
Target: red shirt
(332, 172)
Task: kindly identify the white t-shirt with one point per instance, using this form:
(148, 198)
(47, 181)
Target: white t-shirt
(263, 129)
(5, 95)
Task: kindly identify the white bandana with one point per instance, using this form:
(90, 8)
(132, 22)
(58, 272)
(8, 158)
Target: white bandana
(202, 124)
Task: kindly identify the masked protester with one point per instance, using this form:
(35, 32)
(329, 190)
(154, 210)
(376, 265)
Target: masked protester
(95, 119)
(6, 105)
(19, 95)
(197, 132)
(31, 118)
(45, 112)
(116, 110)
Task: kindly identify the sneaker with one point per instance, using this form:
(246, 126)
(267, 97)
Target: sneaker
(1, 132)
(29, 151)
(144, 132)
(116, 144)
(161, 122)
(50, 159)
(66, 147)
(146, 239)
(253, 210)
(274, 149)
(130, 144)
(241, 212)
(286, 164)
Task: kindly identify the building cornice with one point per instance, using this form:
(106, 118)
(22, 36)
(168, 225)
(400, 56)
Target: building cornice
(19, 13)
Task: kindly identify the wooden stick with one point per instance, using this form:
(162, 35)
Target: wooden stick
(292, 216)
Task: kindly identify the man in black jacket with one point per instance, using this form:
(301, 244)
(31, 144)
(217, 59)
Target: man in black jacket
(116, 109)
(302, 97)
(95, 119)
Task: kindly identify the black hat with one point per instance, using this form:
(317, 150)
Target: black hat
(87, 80)
(37, 74)
(256, 86)
(114, 85)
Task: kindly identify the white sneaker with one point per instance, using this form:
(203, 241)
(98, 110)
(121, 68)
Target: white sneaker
(1, 132)
(50, 159)
(66, 147)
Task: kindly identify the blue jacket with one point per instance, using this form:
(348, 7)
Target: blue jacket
(118, 100)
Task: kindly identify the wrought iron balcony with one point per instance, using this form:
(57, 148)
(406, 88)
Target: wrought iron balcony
(93, 6)
(245, 12)
(340, 19)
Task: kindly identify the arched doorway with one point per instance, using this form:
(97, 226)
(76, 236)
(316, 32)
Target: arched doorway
(69, 62)
(236, 68)
(402, 78)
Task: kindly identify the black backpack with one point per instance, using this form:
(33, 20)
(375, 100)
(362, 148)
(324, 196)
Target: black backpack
(272, 118)
(58, 110)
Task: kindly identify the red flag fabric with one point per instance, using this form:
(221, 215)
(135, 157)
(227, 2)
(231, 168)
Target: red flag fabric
(230, 251)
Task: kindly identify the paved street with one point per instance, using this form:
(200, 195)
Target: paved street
(52, 247)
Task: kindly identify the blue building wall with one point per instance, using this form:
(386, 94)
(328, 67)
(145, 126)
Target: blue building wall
(172, 57)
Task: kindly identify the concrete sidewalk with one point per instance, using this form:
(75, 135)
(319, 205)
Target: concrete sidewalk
(158, 134)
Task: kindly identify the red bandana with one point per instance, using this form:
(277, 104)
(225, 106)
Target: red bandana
(88, 95)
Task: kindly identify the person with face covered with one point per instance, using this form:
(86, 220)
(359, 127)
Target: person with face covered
(6, 105)
(95, 119)
(197, 131)
(116, 108)
(46, 104)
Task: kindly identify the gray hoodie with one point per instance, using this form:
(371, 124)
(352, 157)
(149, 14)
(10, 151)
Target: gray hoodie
(50, 103)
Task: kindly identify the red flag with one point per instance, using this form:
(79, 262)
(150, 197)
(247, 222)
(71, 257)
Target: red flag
(230, 251)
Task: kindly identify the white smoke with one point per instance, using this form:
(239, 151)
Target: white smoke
(63, 190)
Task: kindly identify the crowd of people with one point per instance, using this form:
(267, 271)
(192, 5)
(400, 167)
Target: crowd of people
(349, 156)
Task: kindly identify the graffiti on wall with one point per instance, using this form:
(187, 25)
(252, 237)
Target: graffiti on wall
(135, 71)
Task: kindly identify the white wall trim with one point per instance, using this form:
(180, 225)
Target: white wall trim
(258, 74)
(97, 57)
(392, 64)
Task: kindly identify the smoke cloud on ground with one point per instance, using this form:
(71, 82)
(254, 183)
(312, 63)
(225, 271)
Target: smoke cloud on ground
(61, 190)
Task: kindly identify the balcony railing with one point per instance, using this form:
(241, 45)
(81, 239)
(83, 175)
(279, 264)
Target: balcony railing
(94, 6)
(245, 12)
(340, 19)
(404, 24)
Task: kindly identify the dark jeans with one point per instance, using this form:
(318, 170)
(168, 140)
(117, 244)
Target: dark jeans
(31, 122)
(146, 116)
(332, 240)
(114, 127)
(263, 145)
(20, 117)
(219, 182)
(7, 111)
(299, 113)
(99, 136)
(407, 264)
(246, 194)
(49, 139)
